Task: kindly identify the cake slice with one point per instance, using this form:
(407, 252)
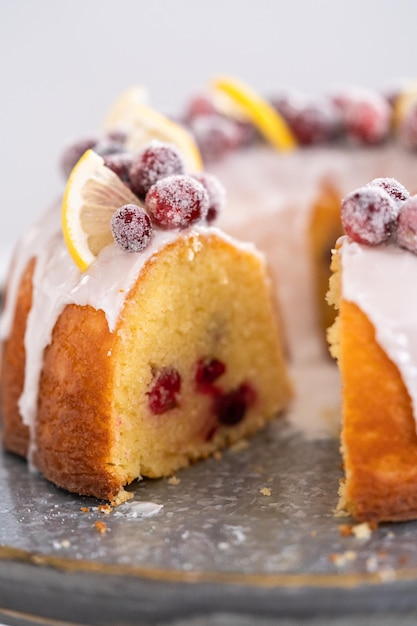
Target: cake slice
(375, 342)
(161, 349)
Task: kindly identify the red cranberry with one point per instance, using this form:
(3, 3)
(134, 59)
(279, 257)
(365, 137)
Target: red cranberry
(164, 391)
(366, 115)
(177, 202)
(369, 215)
(208, 371)
(131, 227)
(394, 188)
(311, 121)
(407, 225)
(407, 130)
(216, 193)
(120, 164)
(216, 136)
(74, 151)
(200, 104)
(231, 407)
(155, 162)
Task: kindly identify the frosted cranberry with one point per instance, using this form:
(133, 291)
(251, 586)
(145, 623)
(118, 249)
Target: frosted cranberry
(164, 391)
(201, 104)
(177, 202)
(231, 407)
(311, 121)
(407, 130)
(216, 194)
(157, 161)
(131, 228)
(216, 136)
(120, 164)
(369, 215)
(74, 151)
(407, 225)
(208, 371)
(366, 115)
(394, 188)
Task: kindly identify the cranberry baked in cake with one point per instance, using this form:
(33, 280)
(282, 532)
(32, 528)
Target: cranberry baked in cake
(137, 336)
(375, 342)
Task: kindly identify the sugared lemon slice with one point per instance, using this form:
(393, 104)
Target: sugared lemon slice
(258, 111)
(142, 124)
(92, 194)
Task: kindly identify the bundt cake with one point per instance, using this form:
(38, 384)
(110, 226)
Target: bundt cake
(375, 342)
(137, 337)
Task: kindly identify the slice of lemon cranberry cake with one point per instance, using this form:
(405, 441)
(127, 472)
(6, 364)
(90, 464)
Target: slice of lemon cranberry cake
(137, 337)
(375, 341)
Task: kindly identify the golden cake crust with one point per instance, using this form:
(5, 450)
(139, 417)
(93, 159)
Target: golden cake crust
(379, 440)
(92, 413)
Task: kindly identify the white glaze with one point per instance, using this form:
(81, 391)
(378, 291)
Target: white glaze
(269, 201)
(381, 280)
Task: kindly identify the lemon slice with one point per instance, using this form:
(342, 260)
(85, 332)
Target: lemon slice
(402, 104)
(258, 111)
(142, 124)
(92, 194)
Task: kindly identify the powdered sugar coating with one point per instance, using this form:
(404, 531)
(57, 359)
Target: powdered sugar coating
(177, 202)
(156, 161)
(369, 215)
(131, 228)
(394, 188)
(216, 193)
(407, 225)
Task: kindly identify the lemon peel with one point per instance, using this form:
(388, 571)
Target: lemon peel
(142, 123)
(258, 111)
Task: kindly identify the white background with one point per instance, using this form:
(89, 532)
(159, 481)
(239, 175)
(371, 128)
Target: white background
(63, 62)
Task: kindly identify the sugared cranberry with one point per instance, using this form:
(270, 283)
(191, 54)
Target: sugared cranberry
(407, 225)
(155, 162)
(216, 136)
(394, 188)
(311, 121)
(177, 202)
(131, 227)
(366, 115)
(369, 215)
(120, 164)
(74, 151)
(216, 193)
(208, 371)
(200, 104)
(407, 130)
(231, 407)
(164, 391)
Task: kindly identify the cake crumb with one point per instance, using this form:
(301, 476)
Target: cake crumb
(85, 509)
(105, 508)
(341, 559)
(359, 531)
(217, 455)
(242, 444)
(313, 533)
(101, 527)
(173, 480)
(265, 491)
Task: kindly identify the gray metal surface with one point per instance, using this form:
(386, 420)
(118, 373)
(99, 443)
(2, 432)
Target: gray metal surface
(250, 533)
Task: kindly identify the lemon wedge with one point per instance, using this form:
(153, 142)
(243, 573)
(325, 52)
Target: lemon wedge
(92, 194)
(257, 110)
(132, 115)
